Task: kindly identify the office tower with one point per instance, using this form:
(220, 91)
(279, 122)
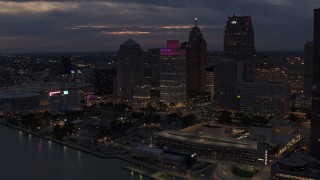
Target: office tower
(239, 43)
(173, 73)
(315, 119)
(196, 49)
(104, 83)
(268, 70)
(227, 79)
(265, 98)
(130, 69)
(210, 81)
(295, 73)
(308, 67)
(153, 61)
(67, 66)
(154, 64)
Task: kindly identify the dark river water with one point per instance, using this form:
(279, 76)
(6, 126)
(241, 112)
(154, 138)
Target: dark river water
(24, 157)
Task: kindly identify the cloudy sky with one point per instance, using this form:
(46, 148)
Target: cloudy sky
(102, 25)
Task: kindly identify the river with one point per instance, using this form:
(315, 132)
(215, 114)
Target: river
(25, 157)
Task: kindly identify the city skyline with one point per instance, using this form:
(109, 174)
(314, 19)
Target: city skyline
(77, 26)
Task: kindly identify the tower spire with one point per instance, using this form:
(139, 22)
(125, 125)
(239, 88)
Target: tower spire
(195, 22)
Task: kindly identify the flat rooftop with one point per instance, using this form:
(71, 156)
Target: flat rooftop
(149, 150)
(208, 139)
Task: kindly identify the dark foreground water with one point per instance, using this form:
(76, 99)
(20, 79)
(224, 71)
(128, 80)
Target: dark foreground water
(24, 157)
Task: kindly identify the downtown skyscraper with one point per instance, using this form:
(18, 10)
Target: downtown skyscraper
(196, 49)
(237, 64)
(239, 43)
(173, 73)
(130, 70)
(315, 119)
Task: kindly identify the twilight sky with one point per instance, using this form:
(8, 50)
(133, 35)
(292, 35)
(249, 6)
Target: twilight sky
(102, 25)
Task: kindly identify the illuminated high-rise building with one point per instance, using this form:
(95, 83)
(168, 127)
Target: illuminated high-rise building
(196, 49)
(130, 69)
(265, 98)
(210, 81)
(315, 119)
(173, 73)
(239, 43)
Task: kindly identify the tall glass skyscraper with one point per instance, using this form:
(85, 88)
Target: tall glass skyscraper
(196, 49)
(315, 120)
(239, 43)
(130, 69)
(173, 73)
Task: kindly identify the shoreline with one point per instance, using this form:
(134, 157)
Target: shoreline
(90, 152)
(75, 147)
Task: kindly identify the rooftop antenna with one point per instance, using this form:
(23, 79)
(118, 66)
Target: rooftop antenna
(195, 22)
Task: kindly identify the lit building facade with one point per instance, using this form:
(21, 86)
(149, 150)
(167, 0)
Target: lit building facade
(269, 69)
(295, 75)
(173, 73)
(210, 81)
(214, 147)
(265, 98)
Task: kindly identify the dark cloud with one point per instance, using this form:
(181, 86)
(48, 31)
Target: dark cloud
(93, 25)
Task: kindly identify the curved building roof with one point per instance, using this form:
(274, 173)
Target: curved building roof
(294, 161)
(208, 139)
(130, 42)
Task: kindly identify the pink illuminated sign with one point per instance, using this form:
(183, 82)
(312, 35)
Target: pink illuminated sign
(172, 52)
(91, 97)
(54, 92)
